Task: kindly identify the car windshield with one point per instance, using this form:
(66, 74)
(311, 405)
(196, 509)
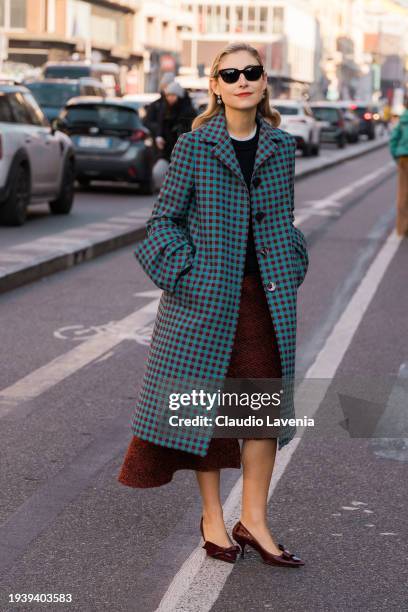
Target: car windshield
(325, 113)
(53, 94)
(72, 72)
(103, 116)
(287, 110)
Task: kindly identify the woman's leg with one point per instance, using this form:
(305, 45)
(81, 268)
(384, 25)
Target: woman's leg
(213, 517)
(258, 459)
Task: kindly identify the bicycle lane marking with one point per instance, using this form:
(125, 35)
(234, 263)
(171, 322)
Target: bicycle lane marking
(63, 366)
(198, 583)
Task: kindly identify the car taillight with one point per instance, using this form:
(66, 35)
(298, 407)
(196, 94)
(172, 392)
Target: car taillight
(367, 116)
(376, 116)
(137, 135)
(340, 123)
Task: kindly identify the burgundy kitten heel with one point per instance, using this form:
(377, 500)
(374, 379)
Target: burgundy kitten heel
(228, 553)
(241, 535)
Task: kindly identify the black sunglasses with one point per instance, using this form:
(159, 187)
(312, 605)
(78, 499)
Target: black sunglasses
(251, 73)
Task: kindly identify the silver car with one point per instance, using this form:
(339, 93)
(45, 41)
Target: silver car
(36, 161)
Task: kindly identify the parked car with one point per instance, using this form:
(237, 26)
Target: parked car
(111, 143)
(106, 72)
(140, 101)
(36, 162)
(369, 115)
(351, 123)
(332, 123)
(200, 101)
(53, 94)
(298, 119)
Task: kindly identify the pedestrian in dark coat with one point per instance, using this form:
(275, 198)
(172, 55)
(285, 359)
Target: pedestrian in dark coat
(219, 191)
(175, 118)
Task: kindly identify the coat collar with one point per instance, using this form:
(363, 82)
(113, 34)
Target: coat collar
(215, 131)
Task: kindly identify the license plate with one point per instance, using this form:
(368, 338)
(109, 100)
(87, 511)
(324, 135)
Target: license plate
(94, 142)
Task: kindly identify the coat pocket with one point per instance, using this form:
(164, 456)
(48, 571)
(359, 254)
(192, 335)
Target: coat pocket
(164, 258)
(300, 248)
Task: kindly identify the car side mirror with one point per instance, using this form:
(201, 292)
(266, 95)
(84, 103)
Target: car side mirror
(58, 124)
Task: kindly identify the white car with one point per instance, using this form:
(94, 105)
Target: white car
(36, 161)
(297, 118)
(140, 101)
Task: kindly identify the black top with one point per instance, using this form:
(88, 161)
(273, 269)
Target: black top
(245, 151)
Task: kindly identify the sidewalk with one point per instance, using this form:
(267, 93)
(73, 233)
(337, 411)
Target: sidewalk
(33, 260)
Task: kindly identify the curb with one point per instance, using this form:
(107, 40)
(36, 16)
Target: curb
(85, 250)
(48, 264)
(305, 172)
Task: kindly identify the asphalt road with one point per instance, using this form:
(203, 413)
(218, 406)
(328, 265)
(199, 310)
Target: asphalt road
(73, 351)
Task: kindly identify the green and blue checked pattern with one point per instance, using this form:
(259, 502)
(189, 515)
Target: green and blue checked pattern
(195, 251)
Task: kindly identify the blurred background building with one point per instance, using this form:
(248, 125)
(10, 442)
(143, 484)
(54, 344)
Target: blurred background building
(343, 49)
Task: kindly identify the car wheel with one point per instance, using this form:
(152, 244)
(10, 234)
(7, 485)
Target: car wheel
(14, 209)
(307, 149)
(146, 187)
(341, 142)
(84, 182)
(316, 149)
(63, 203)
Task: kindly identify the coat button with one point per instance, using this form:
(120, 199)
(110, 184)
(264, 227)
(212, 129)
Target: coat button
(259, 216)
(264, 251)
(257, 181)
(271, 286)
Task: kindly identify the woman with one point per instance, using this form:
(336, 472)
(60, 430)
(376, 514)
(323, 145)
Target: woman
(176, 116)
(229, 306)
(399, 151)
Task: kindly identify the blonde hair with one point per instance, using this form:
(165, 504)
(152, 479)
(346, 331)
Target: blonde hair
(213, 108)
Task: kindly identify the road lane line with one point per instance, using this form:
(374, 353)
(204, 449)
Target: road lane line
(333, 199)
(57, 370)
(198, 583)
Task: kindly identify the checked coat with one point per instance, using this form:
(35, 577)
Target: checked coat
(195, 249)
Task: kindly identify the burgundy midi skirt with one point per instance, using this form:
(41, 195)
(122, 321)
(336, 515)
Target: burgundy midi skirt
(255, 354)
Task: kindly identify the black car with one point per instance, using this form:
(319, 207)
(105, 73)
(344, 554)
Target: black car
(111, 143)
(53, 94)
(332, 123)
(369, 116)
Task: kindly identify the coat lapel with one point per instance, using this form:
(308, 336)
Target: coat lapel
(215, 131)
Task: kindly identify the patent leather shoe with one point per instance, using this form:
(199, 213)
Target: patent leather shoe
(241, 535)
(223, 553)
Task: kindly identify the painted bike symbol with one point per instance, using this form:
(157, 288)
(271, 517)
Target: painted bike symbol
(79, 333)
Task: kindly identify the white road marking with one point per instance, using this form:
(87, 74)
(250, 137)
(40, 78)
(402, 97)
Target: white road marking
(333, 201)
(198, 583)
(52, 373)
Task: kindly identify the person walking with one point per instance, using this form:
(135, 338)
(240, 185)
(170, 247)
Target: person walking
(399, 151)
(176, 117)
(222, 246)
(154, 109)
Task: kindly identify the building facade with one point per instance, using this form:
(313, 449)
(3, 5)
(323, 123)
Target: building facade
(283, 31)
(39, 30)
